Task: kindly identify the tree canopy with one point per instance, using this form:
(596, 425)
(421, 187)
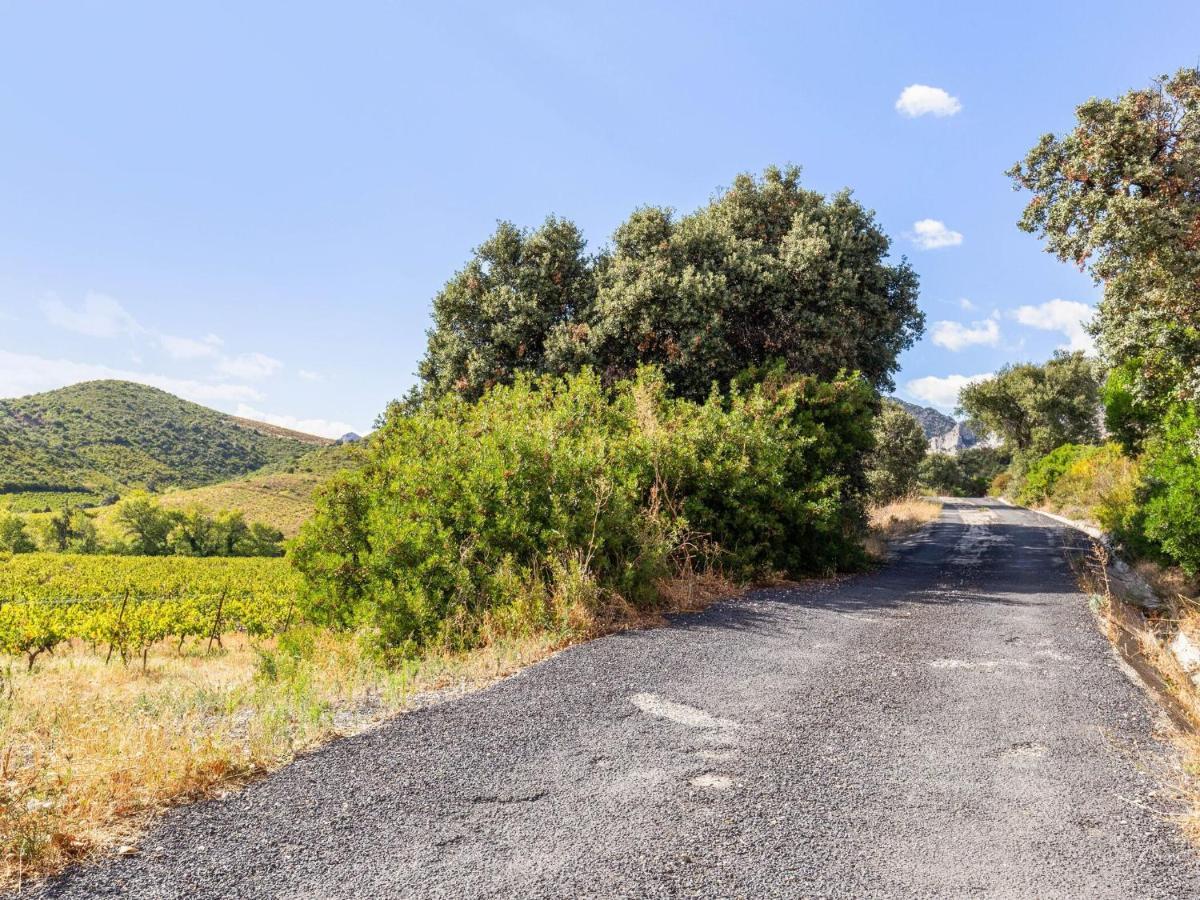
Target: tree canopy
(1119, 196)
(1035, 408)
(766, 271)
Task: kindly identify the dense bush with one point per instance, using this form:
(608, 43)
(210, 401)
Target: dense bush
(550, 498)
(900, 448)
(1171, 506)
(1041, 476)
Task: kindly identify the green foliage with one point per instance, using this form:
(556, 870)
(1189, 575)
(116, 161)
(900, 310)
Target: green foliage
(96, 440)
(1171, 504)
(1042, 476)
(968, 473)
(1120, 195)
(1126, 418)
(146, 524)
(68, 530)
(552, 493)
(1035, 408)
(14, 536)
(893, 467)
(766, 271)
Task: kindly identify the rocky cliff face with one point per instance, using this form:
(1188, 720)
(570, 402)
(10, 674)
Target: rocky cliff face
(946, 434)
(959, 437)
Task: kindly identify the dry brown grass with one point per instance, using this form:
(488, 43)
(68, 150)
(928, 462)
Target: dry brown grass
(896, 520)
(90, 752)
(1143, 641)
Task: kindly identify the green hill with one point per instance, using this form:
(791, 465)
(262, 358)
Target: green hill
(90, 442)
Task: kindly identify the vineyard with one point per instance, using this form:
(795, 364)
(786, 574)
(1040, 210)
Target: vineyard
(124, 605)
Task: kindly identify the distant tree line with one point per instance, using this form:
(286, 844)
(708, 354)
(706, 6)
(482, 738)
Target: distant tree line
(146, 529)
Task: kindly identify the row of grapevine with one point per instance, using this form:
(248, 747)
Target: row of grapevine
(128, 603)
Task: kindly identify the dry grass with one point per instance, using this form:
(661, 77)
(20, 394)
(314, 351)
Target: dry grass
(896, 520)
(90, 752)
(1143, 641)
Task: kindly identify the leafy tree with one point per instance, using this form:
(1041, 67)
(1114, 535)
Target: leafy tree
(146, 524)
(68, 530)
(766, 271)
(514, 307)
(261, 540)
(1035, 408)
(900, 448)
(14, 538)
(195, 533)
(1120, 195)
(968, 473)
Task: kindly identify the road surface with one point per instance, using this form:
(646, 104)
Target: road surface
(951, 725)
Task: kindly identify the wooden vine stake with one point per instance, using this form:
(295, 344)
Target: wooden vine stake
(120, 619)
(216, 629)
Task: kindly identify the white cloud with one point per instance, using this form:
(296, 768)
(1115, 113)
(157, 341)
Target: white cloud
(249, 365)
(184, 348)
(966, 304)
(1066, 316)
(921, 99)
(941, 392)
(99, 316)
(955, 336)
(309, 375)
(930, 234)
(323, 427)
(22, 374)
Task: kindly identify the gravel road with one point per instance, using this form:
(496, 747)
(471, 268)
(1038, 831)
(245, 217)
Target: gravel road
(951, 725)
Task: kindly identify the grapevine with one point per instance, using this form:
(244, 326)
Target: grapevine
(130, 603)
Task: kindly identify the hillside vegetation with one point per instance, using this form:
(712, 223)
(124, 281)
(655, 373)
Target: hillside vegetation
(92, 442)
(280, 496)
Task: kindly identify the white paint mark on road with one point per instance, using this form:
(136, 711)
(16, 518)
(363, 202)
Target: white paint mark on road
(981, 665)
(660, 707)
(713, 781)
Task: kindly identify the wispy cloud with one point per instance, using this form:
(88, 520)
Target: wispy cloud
(102, 316)
(249, 365)
(98, 316)
(22, 373)
(932, 234)
(941, 392)
(966, 304)
(955, 336)
(309, 375)
(1070, 317)
(323, 427)
(925, 100)
(184, 348)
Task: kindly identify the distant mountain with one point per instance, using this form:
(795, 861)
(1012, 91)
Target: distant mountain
(945, 433)
(90, 442)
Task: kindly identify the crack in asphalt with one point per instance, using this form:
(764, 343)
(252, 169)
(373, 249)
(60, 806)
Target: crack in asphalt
(953, 724)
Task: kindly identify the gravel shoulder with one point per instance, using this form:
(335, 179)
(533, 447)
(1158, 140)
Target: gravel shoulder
(953, 724)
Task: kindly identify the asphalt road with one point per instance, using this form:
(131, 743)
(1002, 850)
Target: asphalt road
(952, 725)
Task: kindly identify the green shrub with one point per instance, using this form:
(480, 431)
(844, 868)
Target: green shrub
(547, 498)
(1040, 476)
(1171, 507)
(895, 461)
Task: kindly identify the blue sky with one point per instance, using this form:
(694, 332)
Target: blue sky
(252, 205)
